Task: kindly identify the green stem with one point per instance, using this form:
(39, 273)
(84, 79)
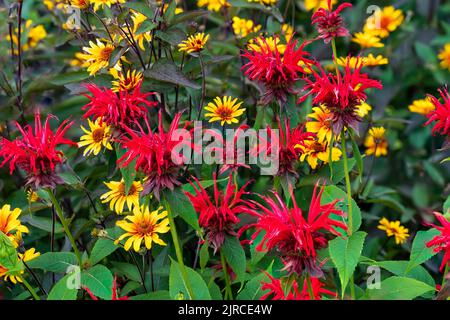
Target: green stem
(29, 288)
(446, 270)
(228, 291)
(333, 47)
(65, 225)
(310, 289)
(179, 253)
(347, 184)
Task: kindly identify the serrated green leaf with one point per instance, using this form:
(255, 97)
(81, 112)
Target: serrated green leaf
(166, 71)
(177, 285)
(99, 280)
(102, 248)
(398, 288)
(59, 262)
(235, 256)
(62, 291)
(419, 251)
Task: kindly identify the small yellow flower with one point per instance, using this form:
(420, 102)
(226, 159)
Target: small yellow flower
(367, 40)
(265, 2)
(288, 31)
(270, 43)
(372, 61)
(33, 37)
(243, 27)
(363, 109)
(97, 56)
(99, 135)
(143, 227)
(213, 5)
(317, 4)
(10, 223)
(127, 82)
(194, 43)
(138, 18)
(385, 21)
(117, 197)
(28, 255)
(322, 127)
(82, 4)
(352, 61)
(444, 56)
(224, 110)
(422, 106)
(102, 3)
(313, 151)
(369, 61)
(32, 196)
(393, 228)
(376, 142)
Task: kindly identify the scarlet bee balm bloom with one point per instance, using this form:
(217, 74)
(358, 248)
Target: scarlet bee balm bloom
(36, 152)
(441, 114)
(329, 23)
(441, 242)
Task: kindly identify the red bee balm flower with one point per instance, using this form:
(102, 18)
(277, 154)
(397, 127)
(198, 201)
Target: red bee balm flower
(441, 114)
(442, 241)
(329, 23)
(295, 238)
(120, 109)
(277, 71)
(35, 152)
(219, 215)
(340, 94)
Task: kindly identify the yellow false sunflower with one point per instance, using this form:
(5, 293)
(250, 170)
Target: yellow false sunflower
(444, 56)
(288, 31)
(126, 82)
(117, 197)
(224, 110)
(51, 4)
(322, 127)
(98, 136)
(33, 36)
(313, 151)
(102, 3)
(422, 106)
(265, 2)
(385, 21)
(367, 40)
(270, 43)
(138, 18)
(363, 109)
(376, 142)
(32, 196)
(317, 4)
(213, 5)
(393, 228)
(97, 56)
(243, 27)
(372, 61)
(82, 4)
(10, 223)
(28, 255)
(143, 227)
(194, 43)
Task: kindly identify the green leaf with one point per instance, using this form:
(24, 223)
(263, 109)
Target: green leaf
(69, 77)
(172, 36)
(58, 262)
(188, 16)
(182, 206)
(140, 7)
(204, 255)
(345, 255)
(399, 288)
(42, 223)
(99, 280)
(127, 269)
(166, 71)
(204, 183)
(128, 172)
(157, 295)
(425, 52)
(177, 285)
(102, 248)
(325, 173)
(61, 290)
(235, 256)
(446, 206)
(252, 289)
(419, 251)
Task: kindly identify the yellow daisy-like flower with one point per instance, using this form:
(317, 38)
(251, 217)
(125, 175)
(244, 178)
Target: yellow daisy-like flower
(259, 44)
(28, 255)
(372, 61)
(385, 21)
(352, 61)
(243, 27)
(363, 109)
(265, 2)
(10, 223)
(138, 18)
(117, 197)
(317, 4)
(82, 4)
(33, 37)
(367, 40)
(213, 5)
(393, 228)
(194, 43)
(322, 127)
(102, 3)
(224, 110)
(143, 227)
(376, 142)
(422, 106)
(444, 56)
(288, 31)
(97, 56)
(127, 82)
(313, 151)
(32, 196)
(99, 135)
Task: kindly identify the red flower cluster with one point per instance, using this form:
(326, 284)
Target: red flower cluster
(277, 71)
(276, 291)
(118, 110)
(442, 241)
(441, 114)
(155, 155)
(340, 94)
(329, 23)
(36, 153)
(295, 238)
(219, 214)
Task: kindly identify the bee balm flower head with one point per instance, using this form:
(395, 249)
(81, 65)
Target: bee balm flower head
(441, 113)
(329, 23)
